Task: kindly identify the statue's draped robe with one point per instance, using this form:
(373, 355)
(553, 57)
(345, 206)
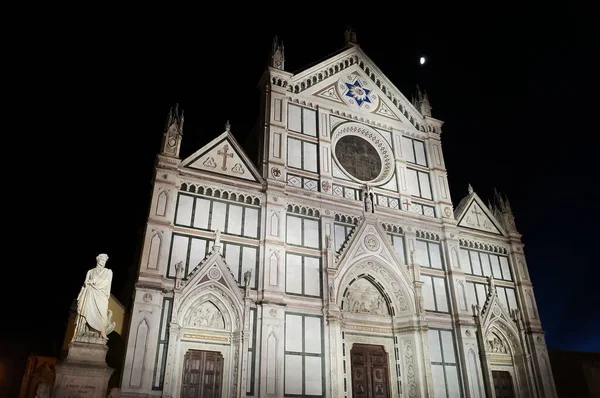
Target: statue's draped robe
(92, 302)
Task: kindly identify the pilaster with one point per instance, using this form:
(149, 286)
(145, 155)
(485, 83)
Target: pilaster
(335, 377)
(142, 342)
(272, 339)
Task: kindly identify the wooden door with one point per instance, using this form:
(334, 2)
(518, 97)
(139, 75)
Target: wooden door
(503, 384)
(370, 373)
(202, 374)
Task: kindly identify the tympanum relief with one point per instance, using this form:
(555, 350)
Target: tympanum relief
(494, 344)
(363, 297)
(205, 315)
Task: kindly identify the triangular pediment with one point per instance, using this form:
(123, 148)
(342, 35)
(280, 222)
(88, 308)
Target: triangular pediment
(224, 156)
(356, 91)
(213, 269)
(369, 239)
(494, 313)
(352, 79)
(474, 214)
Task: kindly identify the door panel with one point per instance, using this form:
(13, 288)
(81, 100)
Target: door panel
(370, 377)
(202, 374)
(503, 384)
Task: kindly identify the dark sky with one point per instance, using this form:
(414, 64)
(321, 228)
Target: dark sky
(513, 90)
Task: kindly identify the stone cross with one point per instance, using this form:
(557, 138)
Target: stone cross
(477, 214)
(406, 203)
(225, 155)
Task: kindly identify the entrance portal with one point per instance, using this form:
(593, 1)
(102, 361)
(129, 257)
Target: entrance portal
(202, 374)
(503, 384)
(370, 373)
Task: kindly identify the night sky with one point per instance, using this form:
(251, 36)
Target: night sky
(513, 93)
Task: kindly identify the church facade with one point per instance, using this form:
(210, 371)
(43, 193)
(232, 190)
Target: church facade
(336, 267)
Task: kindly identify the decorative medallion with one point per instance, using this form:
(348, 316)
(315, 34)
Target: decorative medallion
(371, 242)
(362, 153)
(147, 298)
(210, 162)
(356, 93)
(330, 93)
(273, 312)
(214, 273)
(496, 311)
(448, 211)
(468, 333)
(325, 185)
(275, 172)
(238, 169)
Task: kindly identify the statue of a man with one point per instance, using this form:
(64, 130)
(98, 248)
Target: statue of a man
(92, 303)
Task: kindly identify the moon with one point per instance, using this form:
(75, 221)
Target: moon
(422, 60)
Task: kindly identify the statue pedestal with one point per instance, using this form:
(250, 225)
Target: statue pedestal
(83, 373)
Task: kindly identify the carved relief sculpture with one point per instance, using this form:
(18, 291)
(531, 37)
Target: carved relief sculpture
(495, 345)
(364, 298)
(93, 322)
(206, 315)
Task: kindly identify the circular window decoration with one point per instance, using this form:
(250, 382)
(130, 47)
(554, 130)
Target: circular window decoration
(358, 157)
(362, 153)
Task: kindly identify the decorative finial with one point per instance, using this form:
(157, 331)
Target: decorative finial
(277, 54)
(492, 284)
(217, 244)
(175, 120)
(421, 102)
(350, 36)
(470, 189)
(227, 126)
(247, 277)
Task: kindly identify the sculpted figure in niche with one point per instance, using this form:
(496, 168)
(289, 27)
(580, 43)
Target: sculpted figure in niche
(93, 322)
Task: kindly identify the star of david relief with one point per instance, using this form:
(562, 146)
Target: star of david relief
(356, 93)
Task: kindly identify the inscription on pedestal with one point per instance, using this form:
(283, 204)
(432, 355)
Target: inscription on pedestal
(79, 387)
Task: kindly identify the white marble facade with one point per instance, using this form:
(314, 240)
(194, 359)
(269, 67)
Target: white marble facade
(269, 281)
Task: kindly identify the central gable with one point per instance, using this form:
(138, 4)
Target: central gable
(224, 156)
(355, 90)
(351, 78)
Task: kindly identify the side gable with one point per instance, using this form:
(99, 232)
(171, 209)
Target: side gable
(224, 156)
(472, 213)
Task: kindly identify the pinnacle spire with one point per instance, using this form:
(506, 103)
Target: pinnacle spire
(175, 118)
(421, 102)
(277, 54)
(350, 36)
(227, 126)
(470, 189)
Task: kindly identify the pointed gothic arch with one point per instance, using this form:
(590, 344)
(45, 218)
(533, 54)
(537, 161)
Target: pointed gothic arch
(154, 250)
(365, 294)
(161, 203)
(501, 346)
(216, 294)
(388, 282)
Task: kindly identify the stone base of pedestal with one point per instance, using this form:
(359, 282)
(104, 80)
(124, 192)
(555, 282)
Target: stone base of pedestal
(83, 373)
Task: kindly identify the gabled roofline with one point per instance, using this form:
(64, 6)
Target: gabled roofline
(304, 79)
(226, 135)
(465, 203)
